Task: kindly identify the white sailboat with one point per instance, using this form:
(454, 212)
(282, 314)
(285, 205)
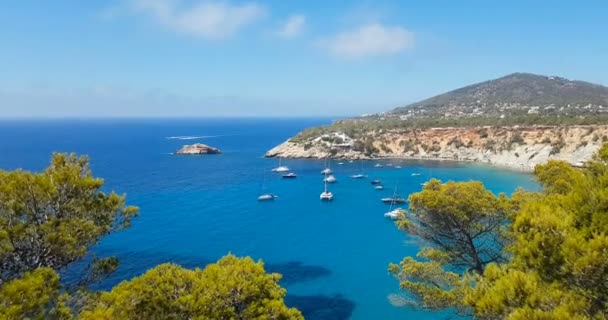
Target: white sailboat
(266, 196)
(280, 168)
(396, 213)
(327, 169)
(330, 179)
(326, 195)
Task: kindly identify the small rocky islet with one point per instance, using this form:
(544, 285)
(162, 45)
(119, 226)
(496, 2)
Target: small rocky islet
(197, 149)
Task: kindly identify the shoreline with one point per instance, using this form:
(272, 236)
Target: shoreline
(522, 168)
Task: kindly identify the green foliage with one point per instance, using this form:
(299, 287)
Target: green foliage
(50, 219)
(232, 288)
(555, 242)
(461, 218)
(34, 296)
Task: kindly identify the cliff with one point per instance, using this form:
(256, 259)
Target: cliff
(516, 147)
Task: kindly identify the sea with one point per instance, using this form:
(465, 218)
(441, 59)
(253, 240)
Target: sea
(195, 209)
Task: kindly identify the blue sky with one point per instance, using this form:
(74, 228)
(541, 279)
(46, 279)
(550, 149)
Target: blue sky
(179, 58)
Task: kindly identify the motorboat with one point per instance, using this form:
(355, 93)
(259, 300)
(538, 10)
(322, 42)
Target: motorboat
(267, 196)
(377, 165)
(358, 176)
(376, 181)
(326, 171)
(395, 214)
(330, 179)
(415, 174)
(290, 175)
(379, 187)
(393, 200)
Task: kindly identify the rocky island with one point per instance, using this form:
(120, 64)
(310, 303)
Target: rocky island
(197, 149)
(518, 121)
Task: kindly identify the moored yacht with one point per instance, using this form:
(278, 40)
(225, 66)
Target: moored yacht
(330, 179)
(395, 214)
(267, 196)
(358, 176)
(326, 195)
(393, 200)
(280, 168)
(290, 175)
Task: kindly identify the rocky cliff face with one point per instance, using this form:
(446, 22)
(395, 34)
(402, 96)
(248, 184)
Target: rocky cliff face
(516, 147)
(196, 149)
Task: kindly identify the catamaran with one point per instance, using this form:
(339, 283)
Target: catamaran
(326, 195)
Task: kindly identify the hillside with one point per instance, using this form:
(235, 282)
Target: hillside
(519, 120)
(512, 95)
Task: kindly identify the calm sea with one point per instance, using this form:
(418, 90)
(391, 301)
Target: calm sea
(333, 256)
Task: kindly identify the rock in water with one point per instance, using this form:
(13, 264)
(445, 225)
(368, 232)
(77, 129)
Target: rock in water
(196, 149)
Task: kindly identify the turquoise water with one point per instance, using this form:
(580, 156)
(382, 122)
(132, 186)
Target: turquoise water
(194, 210)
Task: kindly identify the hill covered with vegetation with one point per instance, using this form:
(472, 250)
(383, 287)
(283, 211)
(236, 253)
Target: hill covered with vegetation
(513, 95)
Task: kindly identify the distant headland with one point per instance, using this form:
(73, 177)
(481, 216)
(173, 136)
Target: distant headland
(518, 121)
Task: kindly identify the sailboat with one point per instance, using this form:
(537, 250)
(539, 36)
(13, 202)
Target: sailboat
(326, 195)
(330, 179)
(266, 196)
(359, 175)
(394, 199)
(280, 168)
(396, 213)
(327, 169)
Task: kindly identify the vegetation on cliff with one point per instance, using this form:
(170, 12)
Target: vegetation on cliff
(537, 255)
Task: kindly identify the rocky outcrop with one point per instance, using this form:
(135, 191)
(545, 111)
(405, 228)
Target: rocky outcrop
(516, 147)
(197, 149)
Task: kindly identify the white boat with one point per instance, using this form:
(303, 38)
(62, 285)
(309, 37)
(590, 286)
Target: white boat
(358, 176)
(379, 187)
(267, 196)
(340, 163)
(327, 171)
(395, 214)
(397, 167)
(330, 179)
(389, 164)
(280, 168)
(290, 175)
(415, 174)
(326, 195)
(377, 165)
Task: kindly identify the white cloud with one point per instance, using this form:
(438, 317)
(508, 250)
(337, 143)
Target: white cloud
(210, 19)
(293, 27)
(369, 40)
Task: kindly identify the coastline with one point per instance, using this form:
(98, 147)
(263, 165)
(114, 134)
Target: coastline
(516, 148)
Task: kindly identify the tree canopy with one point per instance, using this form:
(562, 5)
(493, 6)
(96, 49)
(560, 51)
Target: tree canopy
(232, 288)
(554, 243)
(50, 219)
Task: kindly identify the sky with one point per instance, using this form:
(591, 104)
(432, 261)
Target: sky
(223, 58)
